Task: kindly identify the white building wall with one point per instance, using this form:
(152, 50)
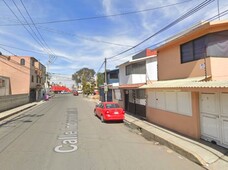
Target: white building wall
(138, 78)
(151, 69)
(123, 79)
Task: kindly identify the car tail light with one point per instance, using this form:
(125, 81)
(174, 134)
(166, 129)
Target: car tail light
(123, 111)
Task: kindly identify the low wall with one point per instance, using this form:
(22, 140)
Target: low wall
(11, 101)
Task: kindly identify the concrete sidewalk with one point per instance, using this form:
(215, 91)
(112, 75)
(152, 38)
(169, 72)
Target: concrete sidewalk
(8, 113)
(210, 157)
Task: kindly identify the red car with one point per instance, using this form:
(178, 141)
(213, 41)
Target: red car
(75, 93)
(109, 111)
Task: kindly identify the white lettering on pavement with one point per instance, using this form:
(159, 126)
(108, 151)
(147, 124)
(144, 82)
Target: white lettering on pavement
(69, 138)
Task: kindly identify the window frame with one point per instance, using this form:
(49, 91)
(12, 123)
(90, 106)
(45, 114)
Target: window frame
(193, 50)
(22, 62)
(136, 68)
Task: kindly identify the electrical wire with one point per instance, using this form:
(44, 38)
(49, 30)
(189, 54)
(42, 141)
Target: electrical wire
(81, 37)
(8, 51)
(225, 12)
(52, 57)
(14, 67)
(179, 19)
(102, 16)
(100, 67)
(37, 52)
(23, 25)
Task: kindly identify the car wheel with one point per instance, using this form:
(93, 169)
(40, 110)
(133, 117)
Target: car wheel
(102, 119)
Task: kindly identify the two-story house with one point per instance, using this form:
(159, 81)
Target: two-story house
(112, 86)
(26, 76)
(142, 69)
(191, 95)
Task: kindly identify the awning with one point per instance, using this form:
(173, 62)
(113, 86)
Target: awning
(197, 82)
(131, 86)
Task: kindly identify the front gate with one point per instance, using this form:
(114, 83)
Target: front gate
(135, 102)
(214, 117)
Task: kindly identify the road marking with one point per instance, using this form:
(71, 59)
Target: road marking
(69, 138)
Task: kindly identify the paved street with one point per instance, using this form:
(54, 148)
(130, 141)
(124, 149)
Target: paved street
(63, 134)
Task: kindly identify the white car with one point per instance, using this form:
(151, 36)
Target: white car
(79, 91)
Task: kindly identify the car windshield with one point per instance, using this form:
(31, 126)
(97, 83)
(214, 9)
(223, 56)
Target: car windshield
(112, 105)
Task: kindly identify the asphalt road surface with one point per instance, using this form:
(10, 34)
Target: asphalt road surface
(64, 134)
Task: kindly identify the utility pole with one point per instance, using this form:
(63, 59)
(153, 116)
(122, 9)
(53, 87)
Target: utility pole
(105, 84)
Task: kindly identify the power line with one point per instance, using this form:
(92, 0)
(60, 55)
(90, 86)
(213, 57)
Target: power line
(52, 57)
(40, 43)
(30, 51)
(100, 67)
(8, 51)
(20, 49)
(167, 39)
(102, 16)
(179, 19)
(81, 37)
(60, 32)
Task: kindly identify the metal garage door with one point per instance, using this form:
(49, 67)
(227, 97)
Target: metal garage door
(214, 117)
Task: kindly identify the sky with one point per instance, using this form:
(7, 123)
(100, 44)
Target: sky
(67, 35)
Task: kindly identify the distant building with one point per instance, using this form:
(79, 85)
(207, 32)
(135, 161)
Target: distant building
(22, 75)
(63, 80)
(112, 84)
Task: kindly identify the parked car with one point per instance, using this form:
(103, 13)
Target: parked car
(80, 91)
(75, 93)
(109, 111)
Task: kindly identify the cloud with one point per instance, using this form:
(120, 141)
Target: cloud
(74, 52)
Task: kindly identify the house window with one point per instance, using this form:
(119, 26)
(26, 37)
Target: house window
(128, 69)
(193, 50)
(32, 78)
(113, 75)
(22, 61)
(136, 68)
(2, 83)
(37, 79)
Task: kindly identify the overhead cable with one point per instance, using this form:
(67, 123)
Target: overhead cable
(23, 25)
(102, 16)
(167, 39)
(51, 57)
(179, 19)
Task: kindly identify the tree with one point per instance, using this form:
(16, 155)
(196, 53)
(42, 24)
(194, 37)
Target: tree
(84, 73)
(86, 89)
(100, 79)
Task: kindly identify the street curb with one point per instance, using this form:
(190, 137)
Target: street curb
(16, 112)
(150, 136)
